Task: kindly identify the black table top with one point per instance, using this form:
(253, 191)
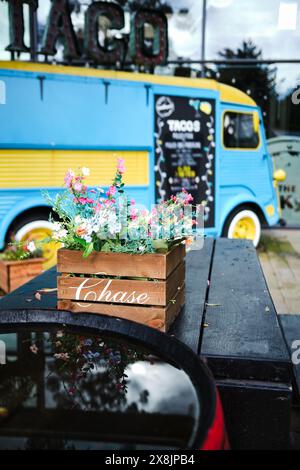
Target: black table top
(228, 318)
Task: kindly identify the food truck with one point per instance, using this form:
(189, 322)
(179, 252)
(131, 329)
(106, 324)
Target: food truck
(173, 133)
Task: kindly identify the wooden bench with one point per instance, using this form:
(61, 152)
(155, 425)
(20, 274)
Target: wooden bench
(230, 320)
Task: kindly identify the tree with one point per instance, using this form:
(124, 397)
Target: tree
(255, 79)
(161, 5)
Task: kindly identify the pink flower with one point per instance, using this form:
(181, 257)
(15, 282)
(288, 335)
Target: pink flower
(85, 200)
(144, 213)
(189, 198)
(133, 213)
(111, 191)
(154, 211)
(69, 178)
(132, 202)
(98, 207)
(78, 186)
(93, 191)
(120, 166)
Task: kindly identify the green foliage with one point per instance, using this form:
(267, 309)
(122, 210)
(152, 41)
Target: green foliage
(18, 251)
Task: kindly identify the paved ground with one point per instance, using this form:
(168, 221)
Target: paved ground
(279, 255)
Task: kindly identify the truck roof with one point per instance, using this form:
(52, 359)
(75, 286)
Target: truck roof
(228, 93)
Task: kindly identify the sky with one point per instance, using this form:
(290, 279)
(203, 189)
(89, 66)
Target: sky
(273, 25)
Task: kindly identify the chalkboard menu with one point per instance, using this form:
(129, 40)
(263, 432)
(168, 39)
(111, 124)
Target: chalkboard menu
(185, 150)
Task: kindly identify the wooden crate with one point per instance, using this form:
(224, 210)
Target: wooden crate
(14, 274)
(147, 288)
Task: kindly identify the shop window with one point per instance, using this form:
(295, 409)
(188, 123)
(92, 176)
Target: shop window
(239, 131)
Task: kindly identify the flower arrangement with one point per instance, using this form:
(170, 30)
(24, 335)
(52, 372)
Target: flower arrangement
(19, 263)
(19, 251)
(94, 220)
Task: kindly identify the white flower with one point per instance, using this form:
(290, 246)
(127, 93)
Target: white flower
(56, 226)
(114, 227)
(31, 247)
(85, 171)
(60, 234)
(77, 219)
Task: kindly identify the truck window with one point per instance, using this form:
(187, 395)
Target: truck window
(238, 131)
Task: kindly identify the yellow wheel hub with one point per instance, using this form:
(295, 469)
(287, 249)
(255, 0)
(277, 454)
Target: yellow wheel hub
(49, 249)
(245, 228)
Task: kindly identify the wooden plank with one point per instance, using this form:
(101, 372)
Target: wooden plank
(15, 273)
(156, 317)
(153, 265)
(187, 326)
(124, 291)
(174, 258)
(174, 282)
(23, 272)
(291, 329)
(175, 308)
(4, 284)
(25, 261)
(243, 338)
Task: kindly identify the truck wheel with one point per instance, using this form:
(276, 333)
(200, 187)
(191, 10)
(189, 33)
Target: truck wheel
(37, 227)
(243, 222)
